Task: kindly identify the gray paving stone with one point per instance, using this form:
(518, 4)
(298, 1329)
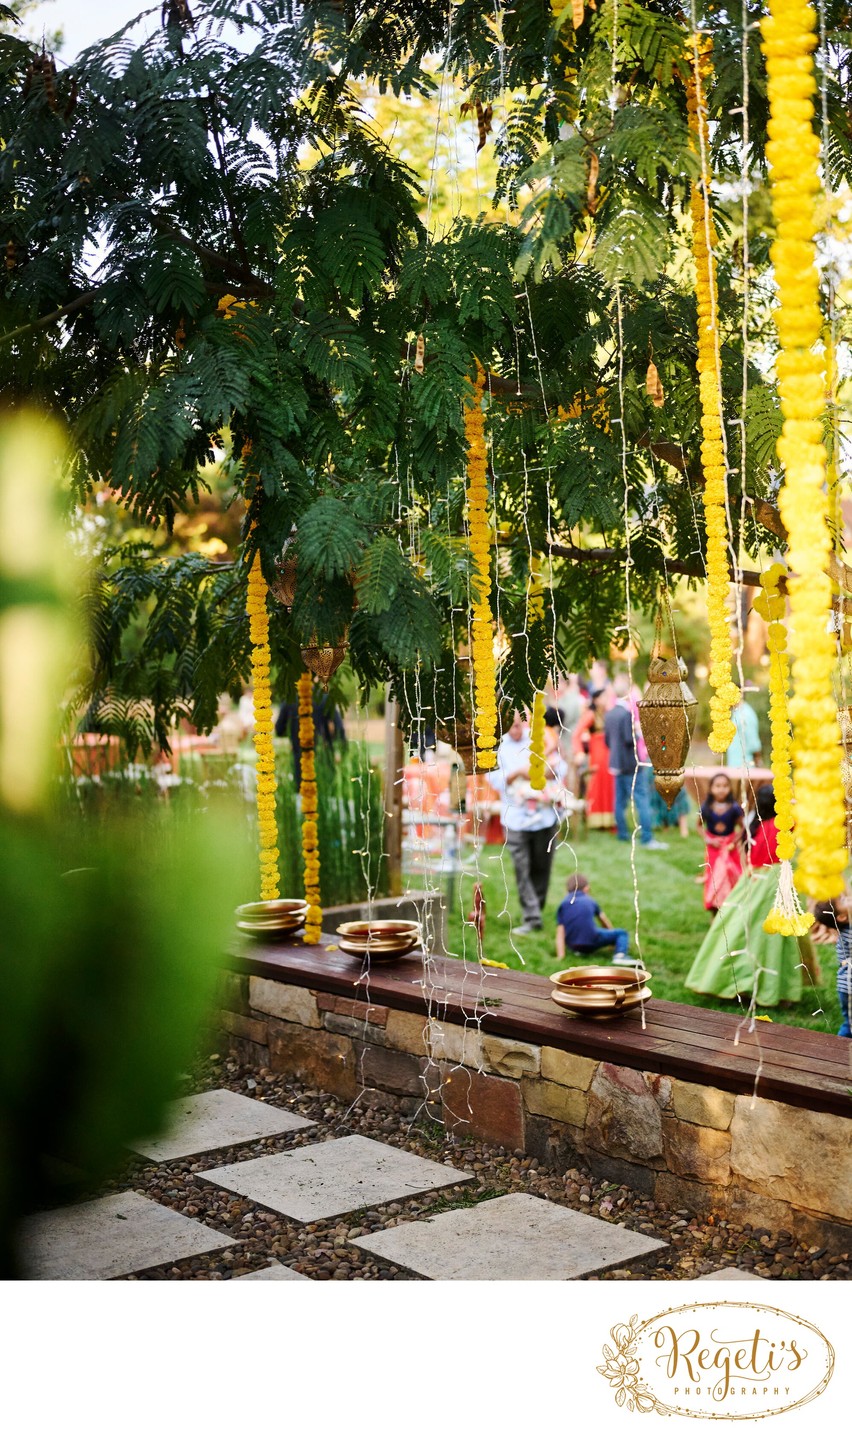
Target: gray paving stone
(326, 1179)
(275, 1271)
(111, 1237)
(513, 1237)
(217, 1119)
(732, 1275)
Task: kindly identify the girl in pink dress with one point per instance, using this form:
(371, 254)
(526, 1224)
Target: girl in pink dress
(722, 819)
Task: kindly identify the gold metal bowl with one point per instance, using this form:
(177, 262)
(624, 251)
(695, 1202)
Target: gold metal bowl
(286, 910)
(600, 1003)
(601, 975)
(272, 919)
(379, 930)
(378, 952)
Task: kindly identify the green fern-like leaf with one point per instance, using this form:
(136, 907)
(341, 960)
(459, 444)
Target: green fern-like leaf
(330, 538)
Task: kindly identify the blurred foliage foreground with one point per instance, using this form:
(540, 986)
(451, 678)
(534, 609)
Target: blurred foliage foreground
(111, 929)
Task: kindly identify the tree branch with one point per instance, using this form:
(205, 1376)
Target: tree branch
(607, 557)
(70, 309)
(212, 257)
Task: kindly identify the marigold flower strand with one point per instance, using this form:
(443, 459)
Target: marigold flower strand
(267, 826)
(785, 916)
(725, 692)
(310, 810)
(479, 540)
(793, 153)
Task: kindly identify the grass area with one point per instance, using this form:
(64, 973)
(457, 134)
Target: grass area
(672, 923)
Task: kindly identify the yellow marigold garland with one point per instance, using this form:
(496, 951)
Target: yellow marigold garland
(535, 615)
(726, 694)
(537, 771)
(793, 153)
(785, 916)
(260, 665)
(479, 532)
(308, 793)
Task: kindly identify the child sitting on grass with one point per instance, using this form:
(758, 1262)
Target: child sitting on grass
(834, 918)
(577, 926)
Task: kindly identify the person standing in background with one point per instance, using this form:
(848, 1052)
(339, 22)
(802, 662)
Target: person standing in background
(530, 819)
(570, 701)
(744, 749)
(632, 774)
(591, 762)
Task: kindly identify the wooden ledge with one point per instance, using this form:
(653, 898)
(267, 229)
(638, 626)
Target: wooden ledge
(791, 1065)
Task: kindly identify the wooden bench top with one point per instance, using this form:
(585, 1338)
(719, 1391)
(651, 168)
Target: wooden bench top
(793, 1065)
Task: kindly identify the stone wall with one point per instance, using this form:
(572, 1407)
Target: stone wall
(688, 1146)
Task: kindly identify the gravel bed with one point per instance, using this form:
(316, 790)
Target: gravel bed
(324, 1251)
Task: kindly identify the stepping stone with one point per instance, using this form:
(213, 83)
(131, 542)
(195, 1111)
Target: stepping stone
(275, 1271)
(517, 1236)
(110, 1237)
(218, 1119)
(733, 1275)
(327, 1179)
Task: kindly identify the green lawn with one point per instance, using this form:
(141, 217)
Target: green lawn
(672, 919)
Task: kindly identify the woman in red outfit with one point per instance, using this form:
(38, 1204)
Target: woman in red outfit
(592, 761)
(762, 831)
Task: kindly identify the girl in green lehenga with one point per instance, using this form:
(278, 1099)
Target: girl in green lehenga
(736, 946)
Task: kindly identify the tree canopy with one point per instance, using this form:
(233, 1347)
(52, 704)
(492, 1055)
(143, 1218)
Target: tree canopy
(208, 246)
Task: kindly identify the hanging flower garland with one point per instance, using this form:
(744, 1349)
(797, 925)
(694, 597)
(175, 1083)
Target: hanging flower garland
(479, 539)
(785, 916)
(308, 793)
(260, 666)
(725, 692)
(535, 615)
(793, 153)
(537, 765)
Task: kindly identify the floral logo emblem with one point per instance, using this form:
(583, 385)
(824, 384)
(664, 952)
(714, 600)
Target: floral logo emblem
(622, 1370)
(717, 1360)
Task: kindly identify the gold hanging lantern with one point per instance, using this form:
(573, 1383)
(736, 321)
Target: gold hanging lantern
(283, 586)
(666, 717)
(458, 733)
(324, 660)
(667, 713)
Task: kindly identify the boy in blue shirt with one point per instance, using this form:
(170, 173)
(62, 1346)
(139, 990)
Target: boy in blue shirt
(577, 926)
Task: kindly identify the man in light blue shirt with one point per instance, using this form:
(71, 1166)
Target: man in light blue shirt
(745, 746)
(531, 821)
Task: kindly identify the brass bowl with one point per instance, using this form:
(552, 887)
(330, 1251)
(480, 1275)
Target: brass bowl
(267, 910)
(272, 919)
(600, 1003)
(601, 976)
(379, 930)
(379, 953)
(268, 933)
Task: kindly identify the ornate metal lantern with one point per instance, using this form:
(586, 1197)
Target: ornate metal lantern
(458, 733)
(667, 716)
(283, 586)
(323, 660)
